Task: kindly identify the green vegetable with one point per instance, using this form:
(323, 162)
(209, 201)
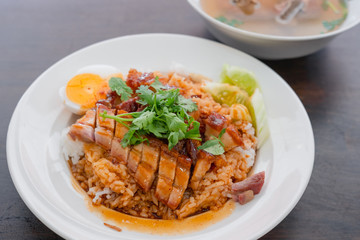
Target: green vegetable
(331, 25)
(214, 146)
(227, 94)
(257, 111)
(119, 86)
(233, 22)
(239, 77)
(242, 85)
(165, 115)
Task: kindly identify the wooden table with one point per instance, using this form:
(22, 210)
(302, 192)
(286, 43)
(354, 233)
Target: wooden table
(37, 33)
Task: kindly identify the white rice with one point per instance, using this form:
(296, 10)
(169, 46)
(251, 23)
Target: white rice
(98, 194)
(248, 155)
(71, 149)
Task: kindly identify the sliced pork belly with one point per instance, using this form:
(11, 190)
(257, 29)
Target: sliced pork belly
(182, 175)
(203, 165)
(83, 129)
(88, 119)
(166, 173)
(254, 183)
(104, 131)
(134, 158)
(107, 123)
(82, 132)
(145, 172)
(117, 151)
(103, 137)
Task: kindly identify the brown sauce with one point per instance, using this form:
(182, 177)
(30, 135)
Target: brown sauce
(156, 226)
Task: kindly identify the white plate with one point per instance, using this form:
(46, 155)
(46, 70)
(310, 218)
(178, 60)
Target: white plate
(43, 180)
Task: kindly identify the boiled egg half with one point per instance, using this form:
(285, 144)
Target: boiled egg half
(89, 85)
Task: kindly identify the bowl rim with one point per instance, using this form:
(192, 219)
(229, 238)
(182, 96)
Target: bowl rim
(196, 5)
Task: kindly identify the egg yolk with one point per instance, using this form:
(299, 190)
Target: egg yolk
(86, 89)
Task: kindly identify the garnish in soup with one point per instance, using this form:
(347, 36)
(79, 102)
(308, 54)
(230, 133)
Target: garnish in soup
(279, 17)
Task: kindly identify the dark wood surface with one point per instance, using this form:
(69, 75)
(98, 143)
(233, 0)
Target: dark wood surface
(35, 34)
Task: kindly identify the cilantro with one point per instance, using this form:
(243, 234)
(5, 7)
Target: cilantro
(157, 85)
(119, 86)
(165, 115)
(233, 22)
(331, 25)
(214, 146)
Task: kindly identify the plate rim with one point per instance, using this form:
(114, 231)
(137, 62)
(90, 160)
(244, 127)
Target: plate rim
(11, 138)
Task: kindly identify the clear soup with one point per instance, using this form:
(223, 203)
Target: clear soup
(279, 17)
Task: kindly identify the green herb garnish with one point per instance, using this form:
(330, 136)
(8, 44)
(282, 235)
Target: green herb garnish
(233, 22)
(331, 25)
(165, 115)
(119, 86)
(214, 146)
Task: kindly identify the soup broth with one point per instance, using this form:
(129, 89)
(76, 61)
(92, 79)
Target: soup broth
(279, 17)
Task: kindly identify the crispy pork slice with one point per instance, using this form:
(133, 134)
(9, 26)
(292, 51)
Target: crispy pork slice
(182, 175)
(175, 197)
(134, 158)
(82, 132)
(88, 119)
(83, 129)
(117, 151)
(107, 123)
(166, 174)
(103, 137)
(121, 129)
(215, 123)
(144, 176)
(203, 165)
(145, 173)
(104, 131)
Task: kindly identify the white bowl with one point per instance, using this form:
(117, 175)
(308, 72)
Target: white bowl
(275, 47)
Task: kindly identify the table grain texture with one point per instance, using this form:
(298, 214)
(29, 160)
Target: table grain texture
(34, 34)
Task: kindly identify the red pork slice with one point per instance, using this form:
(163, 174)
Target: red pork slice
(166, 174)
(134, 158)
(254, 183)
(203, 165)
(145, 173)
(182, 175)
(83, 129)
(244, 197)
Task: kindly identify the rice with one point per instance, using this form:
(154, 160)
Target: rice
(71, 149)
(111, 185)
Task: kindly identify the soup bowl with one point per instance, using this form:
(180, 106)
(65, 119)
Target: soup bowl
(274, 47)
